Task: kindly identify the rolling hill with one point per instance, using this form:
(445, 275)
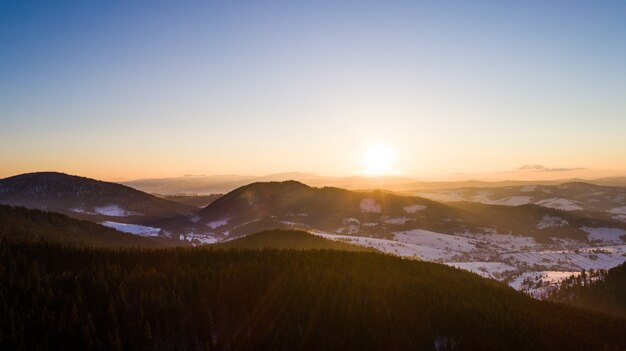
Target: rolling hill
(83, 197)
(261, 206)
(112, 204)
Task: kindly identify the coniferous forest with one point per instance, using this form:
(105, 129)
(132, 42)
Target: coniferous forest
(601, 290)
(55, 297)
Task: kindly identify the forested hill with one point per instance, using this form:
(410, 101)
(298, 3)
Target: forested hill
(207, 299)
(21, 224)
(288, 239)
(603, 291)
(84, 198)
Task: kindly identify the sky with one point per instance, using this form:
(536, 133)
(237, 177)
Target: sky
(427, 89)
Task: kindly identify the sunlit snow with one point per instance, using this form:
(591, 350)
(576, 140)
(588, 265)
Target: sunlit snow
(369, 205)
(133, 228)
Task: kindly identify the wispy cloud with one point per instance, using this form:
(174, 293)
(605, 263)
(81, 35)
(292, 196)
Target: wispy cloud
(541, 168)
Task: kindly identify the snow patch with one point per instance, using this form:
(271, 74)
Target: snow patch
(618, 210)
(351, 220)
(414, 208)
(202, 238)
(574, 260)
(435, 240)
(551, 222)
(559, 204)
(483, 196)
(136, 229)
(539, 284)
(528, 188)
(392, 247)
(485, 269)
(397, 220)
(294, 224)
(513, 201)
(218, 223)
(369, 205)
(608, 235)
(194, 217)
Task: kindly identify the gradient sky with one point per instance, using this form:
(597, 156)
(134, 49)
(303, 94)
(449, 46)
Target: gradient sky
(132, 89)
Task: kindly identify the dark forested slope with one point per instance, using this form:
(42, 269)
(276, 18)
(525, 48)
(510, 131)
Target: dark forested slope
(185, 299)
(603, 291)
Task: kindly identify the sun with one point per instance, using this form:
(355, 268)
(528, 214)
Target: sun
(378, 160)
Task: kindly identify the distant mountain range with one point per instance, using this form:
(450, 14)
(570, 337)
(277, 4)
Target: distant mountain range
(219, 184)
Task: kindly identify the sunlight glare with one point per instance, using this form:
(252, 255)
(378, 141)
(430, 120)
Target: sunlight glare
(378, 160)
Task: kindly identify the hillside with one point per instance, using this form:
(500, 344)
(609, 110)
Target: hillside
(287, 239)
(21, 224)
(261, 206)
(272, 300)
(602, 291)
(97, 201)
(83, 197)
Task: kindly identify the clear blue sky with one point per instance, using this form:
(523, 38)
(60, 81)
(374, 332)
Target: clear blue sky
(132, 89)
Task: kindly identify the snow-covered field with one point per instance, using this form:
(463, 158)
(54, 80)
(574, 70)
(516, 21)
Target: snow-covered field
(518, 260)
(396, 220)
(551, 222)
(369, 205)
(539, 284)
(486, 269)
(619, 213)
(487, 197)
(414, 208)
(394, 247)
(560, 204)
(608, 235)
(201, 238)
(218, 223)
(133, 228)
(513, 201)
(439, 241)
